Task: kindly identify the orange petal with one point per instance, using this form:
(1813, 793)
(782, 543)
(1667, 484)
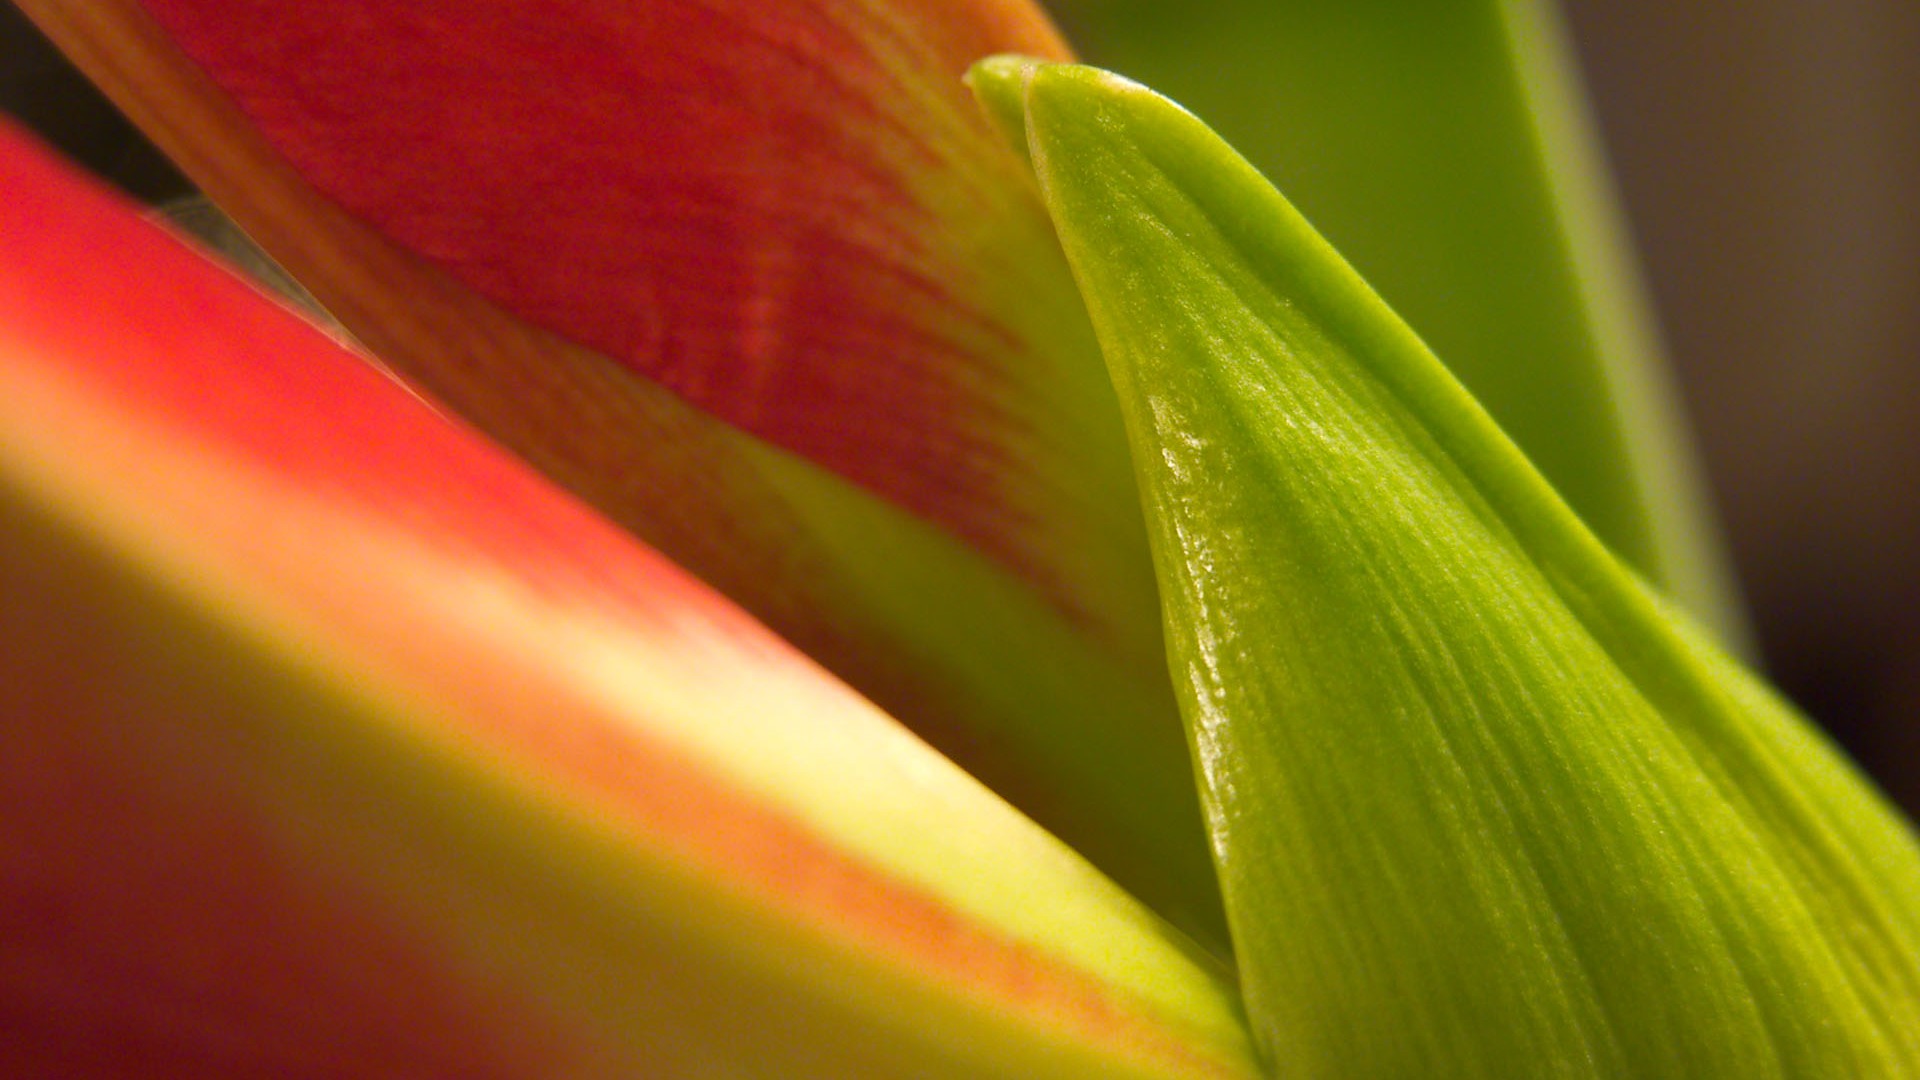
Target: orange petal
(336, 743)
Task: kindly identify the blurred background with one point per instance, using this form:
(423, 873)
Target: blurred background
(1767, 154)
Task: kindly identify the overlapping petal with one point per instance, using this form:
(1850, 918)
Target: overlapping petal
(757, 281)
(338, 743)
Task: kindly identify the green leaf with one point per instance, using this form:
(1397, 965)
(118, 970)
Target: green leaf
(1444, 147)
(1482, 803)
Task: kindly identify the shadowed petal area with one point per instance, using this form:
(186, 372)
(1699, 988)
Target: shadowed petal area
(757, 281)
(338, 743)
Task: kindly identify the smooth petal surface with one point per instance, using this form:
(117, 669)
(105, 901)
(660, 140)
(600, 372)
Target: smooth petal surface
(756, 281)
(337, 743)
(1443, 146)
(1482, 805)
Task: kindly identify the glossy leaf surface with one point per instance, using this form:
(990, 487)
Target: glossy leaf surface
(338, 743)
(757, 282)
(1483, 805)
(1444, 147)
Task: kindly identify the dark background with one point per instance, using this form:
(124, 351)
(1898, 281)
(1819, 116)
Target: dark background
(1768, 153)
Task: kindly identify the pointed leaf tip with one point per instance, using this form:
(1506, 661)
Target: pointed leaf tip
(1482, 806)
(1445, 149)
(999, 84)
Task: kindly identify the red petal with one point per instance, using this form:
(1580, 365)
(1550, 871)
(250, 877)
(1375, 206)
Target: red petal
(772, 209)
(322, 704)
(792, 215)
